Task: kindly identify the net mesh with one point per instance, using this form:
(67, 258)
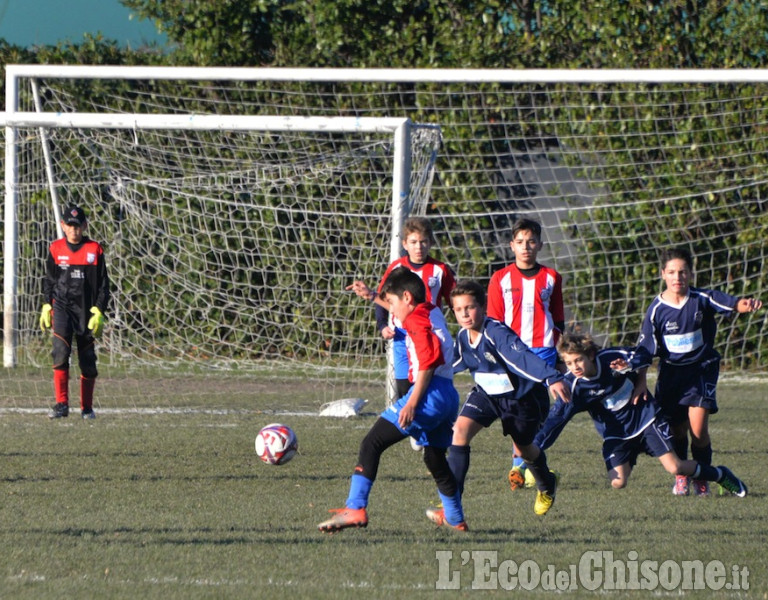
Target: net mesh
(615, 173)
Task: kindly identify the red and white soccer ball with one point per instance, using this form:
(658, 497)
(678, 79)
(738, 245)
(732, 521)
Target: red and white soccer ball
(276, 444)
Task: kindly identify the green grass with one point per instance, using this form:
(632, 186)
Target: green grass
(157, 505)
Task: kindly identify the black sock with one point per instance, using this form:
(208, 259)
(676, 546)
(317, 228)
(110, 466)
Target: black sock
(703, 455)
(680, 446)
(541, 472)
(458, 460)
(707, 473)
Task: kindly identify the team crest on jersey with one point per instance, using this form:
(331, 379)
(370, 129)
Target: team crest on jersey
(698, 317)
(545, 294)
(90, 258)
(432, 282)
(489, 357)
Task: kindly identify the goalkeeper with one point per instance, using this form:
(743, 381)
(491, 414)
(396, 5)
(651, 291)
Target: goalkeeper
(75, 298)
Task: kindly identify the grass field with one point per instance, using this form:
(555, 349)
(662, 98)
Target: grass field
(162, 504)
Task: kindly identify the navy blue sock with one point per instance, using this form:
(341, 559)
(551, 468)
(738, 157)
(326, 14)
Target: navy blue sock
(540, 472)
(680, 446)
(707, 473)
(703, 456)
(458, 460)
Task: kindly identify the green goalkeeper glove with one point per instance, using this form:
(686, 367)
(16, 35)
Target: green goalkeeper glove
(96, 322)
(45, 317)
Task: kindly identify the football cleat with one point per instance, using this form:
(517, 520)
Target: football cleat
(700, 487)
(343, 518)
(88, 414)
(545, 500)
(516, 478)
(59, 411)
(681, 485)
(415, 445)
(437, 516)
(530, 480)
(731, 483)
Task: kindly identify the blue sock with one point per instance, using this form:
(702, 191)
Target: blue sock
(359, 488)
(458, 460)
(454, 513)
(518, 462)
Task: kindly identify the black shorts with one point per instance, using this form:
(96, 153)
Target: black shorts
(679, 387)
(521, 418)
(655, 440)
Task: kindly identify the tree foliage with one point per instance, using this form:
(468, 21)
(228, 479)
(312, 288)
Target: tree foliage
(463, 33)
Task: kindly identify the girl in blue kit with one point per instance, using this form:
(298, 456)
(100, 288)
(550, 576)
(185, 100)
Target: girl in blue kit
(679, 327)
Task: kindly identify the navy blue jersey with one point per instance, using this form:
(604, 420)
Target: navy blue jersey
(500, 363)
(684, 334)
(607, 396)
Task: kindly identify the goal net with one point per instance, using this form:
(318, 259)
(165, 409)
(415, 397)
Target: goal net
(230, 248)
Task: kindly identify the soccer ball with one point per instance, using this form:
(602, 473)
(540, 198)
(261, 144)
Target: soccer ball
(276, 444)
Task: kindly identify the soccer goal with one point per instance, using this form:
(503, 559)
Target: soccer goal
(230, 238)
(230, 246)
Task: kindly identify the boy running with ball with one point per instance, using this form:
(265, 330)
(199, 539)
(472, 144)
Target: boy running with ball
(426, 412)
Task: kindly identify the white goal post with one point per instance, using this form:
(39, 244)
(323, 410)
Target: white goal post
(616, 165)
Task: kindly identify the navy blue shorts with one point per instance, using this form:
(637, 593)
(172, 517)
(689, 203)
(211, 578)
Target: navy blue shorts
(655, 440)
(521, 418)
(679, 387)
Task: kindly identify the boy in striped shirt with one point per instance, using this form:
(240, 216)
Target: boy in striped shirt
(528, 298)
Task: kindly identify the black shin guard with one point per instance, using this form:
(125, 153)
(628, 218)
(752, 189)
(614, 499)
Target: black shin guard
(437, 463)
(381, 436)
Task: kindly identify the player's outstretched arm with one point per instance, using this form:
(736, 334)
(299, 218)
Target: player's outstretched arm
(363, 291)
(748, 305)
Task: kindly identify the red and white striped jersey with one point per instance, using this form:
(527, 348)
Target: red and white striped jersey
(437, 278)
(530, 306)
(429, 342)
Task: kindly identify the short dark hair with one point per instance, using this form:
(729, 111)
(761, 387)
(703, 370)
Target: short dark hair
(677, 253)
(524, 224)
(470, 288)
(418, 225)
(402, 279)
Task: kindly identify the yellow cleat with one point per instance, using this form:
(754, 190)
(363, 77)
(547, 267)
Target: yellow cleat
(545, 500)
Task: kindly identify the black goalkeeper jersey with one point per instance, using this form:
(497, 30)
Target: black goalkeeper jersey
(76, 276)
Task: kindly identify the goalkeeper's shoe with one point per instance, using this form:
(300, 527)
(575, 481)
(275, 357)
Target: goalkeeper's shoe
(545, 499)
(88, 413)
(731, 483)
(59, 411)
(516, 478)
(343, 518)
(437, 516)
